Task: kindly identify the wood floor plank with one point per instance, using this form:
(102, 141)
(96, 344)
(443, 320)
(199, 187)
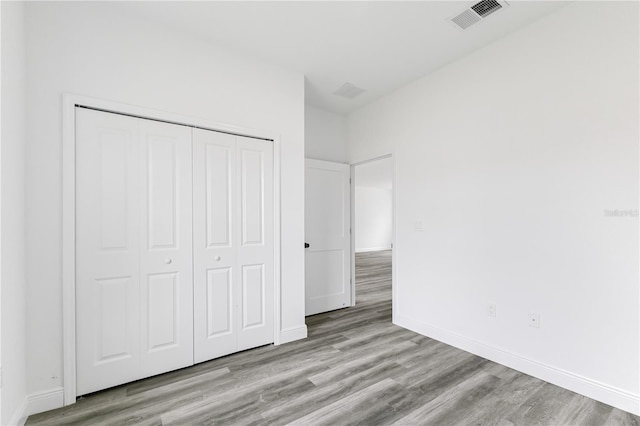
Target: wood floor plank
(325, 395)
(355, 367)
(622, 418)
(584, 411)
(360, 363)
(513, 391)
(543, 407)
(360, 402)
(454, 405)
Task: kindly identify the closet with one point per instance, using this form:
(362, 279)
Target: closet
(174, 246)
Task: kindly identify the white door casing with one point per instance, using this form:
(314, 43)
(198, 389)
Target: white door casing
(233, 252)
(70, 180)
(327, 231)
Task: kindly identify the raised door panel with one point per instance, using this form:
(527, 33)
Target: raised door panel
(107, 275)
(162, 299)
(218, 194)
(252, 202)
(255, 242)
(219, 299)
(214, 257)
(253, 296)
(166, 252)
(162, 192)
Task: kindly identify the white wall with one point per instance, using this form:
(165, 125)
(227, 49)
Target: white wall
(13, 355)
(373, 216)
(324, 134)
(84, 48)
(509, 157)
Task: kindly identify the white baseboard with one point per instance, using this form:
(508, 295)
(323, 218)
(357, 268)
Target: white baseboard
(37, 403)
(291, 334)
(19, 416)
(368, 249)
(45, 401)
(602, 392)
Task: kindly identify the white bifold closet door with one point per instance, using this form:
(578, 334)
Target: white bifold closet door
(174, 247)
(233, 243)
(134, 288)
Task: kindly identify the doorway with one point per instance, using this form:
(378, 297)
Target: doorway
(373, 230)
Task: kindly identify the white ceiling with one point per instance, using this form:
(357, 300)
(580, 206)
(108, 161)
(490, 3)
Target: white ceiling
(376, 45)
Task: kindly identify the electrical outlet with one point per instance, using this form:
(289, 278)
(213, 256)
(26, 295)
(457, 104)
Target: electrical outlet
(534, 319)
(418, 225)
(491, 309)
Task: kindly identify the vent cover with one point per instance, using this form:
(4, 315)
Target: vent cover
(486, 7)
(348, 91)
(477, 12)
(466, 19)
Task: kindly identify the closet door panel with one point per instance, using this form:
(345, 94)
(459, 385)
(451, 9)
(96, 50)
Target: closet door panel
(252, 206)
(253, 296)
(215, 261)
(107, 284)
(162, 192)
(166, 253)
(255, 243)
(162, 297)
(219, 300)
(218, 193)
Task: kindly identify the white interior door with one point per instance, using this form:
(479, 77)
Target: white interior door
(134, 302)
(107, 247)
(166, 280)
(327, 231)
(215, 204)
(256, 240)
(233, 252)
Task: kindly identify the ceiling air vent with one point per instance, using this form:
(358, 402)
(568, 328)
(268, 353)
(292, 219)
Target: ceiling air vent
(486, 7)
(477, 12)
(466, 19)
(348, 91)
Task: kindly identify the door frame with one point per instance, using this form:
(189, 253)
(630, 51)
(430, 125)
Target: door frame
(69, 103)
(393, 230)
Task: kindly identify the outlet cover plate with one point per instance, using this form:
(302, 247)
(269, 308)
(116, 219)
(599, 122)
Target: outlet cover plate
(534, 319)
(491, 310)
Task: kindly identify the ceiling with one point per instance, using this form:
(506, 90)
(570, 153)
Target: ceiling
(375, 45)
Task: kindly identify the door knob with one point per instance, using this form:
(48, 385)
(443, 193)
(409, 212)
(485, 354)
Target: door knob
(306, 245)
(168, 261)
(216, 258)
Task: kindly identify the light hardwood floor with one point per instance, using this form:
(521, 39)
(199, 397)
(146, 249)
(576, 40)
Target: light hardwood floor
(354, 368)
